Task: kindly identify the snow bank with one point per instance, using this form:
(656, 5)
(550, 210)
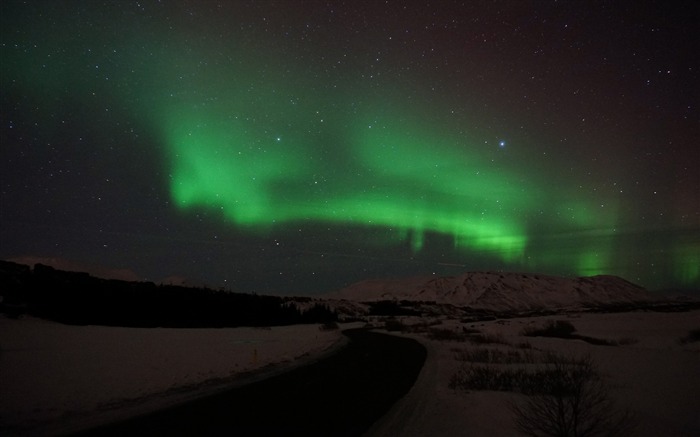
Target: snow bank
(56, 377)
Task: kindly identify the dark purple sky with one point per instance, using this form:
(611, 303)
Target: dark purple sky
(298, 146)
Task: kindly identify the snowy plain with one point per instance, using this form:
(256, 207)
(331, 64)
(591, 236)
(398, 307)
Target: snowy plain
(651, 374)
(57, 378)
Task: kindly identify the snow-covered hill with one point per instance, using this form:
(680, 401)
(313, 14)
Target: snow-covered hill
(496, 291)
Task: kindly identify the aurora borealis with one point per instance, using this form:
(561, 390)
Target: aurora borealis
(299, 146)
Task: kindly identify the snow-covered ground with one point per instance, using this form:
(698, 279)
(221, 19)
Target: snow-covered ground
(56, 378)
(650, 373)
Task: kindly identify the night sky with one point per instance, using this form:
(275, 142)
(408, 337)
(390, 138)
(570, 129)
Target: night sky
(299, 146)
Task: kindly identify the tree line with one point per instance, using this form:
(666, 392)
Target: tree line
(80, 299)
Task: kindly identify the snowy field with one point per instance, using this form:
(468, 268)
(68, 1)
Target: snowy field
(56, 378)
(650, 373)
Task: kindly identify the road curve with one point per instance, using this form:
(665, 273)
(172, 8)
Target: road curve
(342, 395)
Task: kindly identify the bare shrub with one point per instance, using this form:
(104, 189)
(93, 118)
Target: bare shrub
(445, 334)
(524, 345)
(470, 330)
(566, 395)
(480, 377)
(422, 326)
(570, 399)
(486, 355)
(478, 355)
(473, 377)
(329, 326)
(552, 328)
(488, 339)
(564, 329)
(394, 325)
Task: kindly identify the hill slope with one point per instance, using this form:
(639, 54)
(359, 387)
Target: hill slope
(500, 291)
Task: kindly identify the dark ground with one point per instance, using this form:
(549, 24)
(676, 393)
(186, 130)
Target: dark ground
(342, 395)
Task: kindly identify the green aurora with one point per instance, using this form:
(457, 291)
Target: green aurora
(266, 154)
